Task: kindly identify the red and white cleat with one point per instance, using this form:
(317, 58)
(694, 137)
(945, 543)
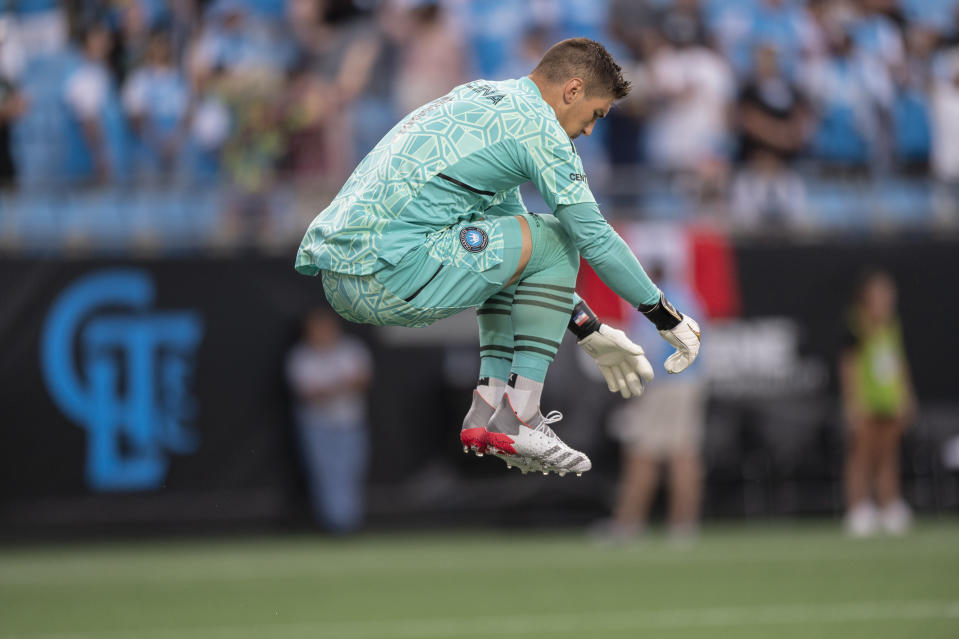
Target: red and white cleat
(533, 445)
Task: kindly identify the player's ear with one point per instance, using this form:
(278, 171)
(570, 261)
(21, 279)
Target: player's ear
(573, 90)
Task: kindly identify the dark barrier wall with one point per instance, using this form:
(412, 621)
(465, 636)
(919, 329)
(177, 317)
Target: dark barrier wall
(814, 283)
(150, 393)
(146, 390)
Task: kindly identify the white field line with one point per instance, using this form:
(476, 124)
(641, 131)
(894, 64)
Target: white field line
(24, 571)
(585, 623)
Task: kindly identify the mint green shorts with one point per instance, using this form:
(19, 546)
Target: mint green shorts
(457, 268)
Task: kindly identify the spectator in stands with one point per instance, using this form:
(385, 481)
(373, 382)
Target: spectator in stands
(773, 124)
(42, 25)
(252, 151)
(306, 107)
(134, 39)
(878, 404)
(742, 26)
(877, 36)
(912, 139)
(533, 44)
(850, 94)
(12, 104)
(355, 64)
(95, 130)
(329, 374)
(818, 19)
(209, 129)
(690, 88)
(945, 131)
(431, 57)
(661, 428)
(157, 100)
(234, 41)
(493, 30)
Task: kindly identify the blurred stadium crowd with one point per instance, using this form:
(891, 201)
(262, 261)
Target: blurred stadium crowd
(238, 118)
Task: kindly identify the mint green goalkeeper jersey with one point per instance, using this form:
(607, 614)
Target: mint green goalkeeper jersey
(458, 159)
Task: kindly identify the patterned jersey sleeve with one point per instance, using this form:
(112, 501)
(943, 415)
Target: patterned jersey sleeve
(554, 166)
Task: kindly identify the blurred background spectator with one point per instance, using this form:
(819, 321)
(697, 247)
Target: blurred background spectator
(688, 88)
(773, 122)
(329, 374)
(879, 403)
(93, 150)
(156, 99)
(12, 103)
(661, 434)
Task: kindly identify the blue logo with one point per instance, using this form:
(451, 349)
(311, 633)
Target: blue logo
(122, 371)
(473, 239)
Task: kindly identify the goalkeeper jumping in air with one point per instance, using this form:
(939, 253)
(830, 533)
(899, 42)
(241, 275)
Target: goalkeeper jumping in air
(431, 223)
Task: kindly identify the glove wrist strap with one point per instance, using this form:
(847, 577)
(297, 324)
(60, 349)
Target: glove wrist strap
(661, 314)
(583, 322)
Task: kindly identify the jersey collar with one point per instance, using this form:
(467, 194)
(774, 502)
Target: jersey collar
(530, 87)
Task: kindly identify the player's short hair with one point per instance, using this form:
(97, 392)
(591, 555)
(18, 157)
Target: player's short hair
(586, 59)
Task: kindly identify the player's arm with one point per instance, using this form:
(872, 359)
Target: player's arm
(618, 267)
(553, 165)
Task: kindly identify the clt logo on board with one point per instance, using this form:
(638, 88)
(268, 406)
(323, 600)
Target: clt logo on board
(122, 370)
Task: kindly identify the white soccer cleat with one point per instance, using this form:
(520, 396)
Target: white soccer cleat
(532, 444)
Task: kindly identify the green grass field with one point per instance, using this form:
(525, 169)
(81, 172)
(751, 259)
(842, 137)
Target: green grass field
(802, 580)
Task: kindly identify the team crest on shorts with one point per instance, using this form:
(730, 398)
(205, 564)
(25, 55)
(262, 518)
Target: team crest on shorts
(473, 239)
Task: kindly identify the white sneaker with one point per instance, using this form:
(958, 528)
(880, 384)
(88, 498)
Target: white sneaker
(609, 532)
(533, 443)
(862, 520)
(896, 518)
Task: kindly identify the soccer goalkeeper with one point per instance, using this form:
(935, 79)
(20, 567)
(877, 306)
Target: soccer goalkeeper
(431, 223)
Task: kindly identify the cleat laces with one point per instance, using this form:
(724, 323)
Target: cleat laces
(550, 418)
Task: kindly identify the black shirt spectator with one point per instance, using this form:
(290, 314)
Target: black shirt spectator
(772, 112)
(11, 107)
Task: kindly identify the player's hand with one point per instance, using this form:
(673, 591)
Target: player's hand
(623, 364)
(685, 336)
(679, 330)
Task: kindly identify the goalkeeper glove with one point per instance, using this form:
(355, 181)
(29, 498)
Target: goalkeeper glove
(679, 330)
(623, 364)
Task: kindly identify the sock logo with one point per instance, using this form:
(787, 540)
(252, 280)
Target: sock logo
(473, 239)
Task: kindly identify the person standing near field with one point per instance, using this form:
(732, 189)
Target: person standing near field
(432, 223)
(878, 404)
(329, 374)
(660, 433)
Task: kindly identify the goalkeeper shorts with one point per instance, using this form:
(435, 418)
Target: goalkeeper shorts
(457, 268)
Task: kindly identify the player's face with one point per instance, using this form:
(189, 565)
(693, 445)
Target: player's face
(582, 115)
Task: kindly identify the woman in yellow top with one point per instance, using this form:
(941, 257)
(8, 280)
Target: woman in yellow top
(878, 404)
